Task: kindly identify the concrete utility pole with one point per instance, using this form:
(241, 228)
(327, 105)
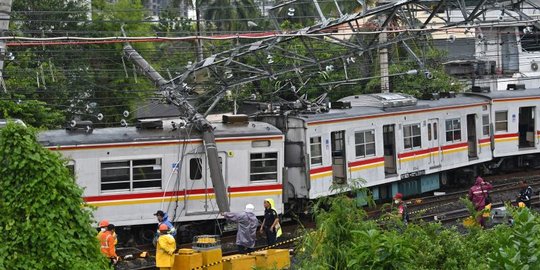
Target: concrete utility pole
(5, 11)
(383, 60)
(169, 91)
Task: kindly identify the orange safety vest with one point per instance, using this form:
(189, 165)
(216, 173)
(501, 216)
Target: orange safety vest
(107, 242)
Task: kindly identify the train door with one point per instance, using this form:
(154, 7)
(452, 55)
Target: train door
(471, 136)
(339, 163)
(526, 127)
(433, 141)
(389, 144)
(199, 198)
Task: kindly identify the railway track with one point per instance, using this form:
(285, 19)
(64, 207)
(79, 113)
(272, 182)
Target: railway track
(445, 208)
(290, 229)
(505, 189)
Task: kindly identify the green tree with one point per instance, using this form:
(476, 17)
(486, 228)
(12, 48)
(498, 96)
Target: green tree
(229, 15)
(418, 85)
(48, 17)
(44, 223)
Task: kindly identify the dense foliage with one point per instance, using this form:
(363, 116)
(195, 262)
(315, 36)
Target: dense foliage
(43, 221)
(344, 239)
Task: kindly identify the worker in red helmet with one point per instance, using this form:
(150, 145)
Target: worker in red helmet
(166, 245)
(401, 208)
(108, 244)
(102, 228)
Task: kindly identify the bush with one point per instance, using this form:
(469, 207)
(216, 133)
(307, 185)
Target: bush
(43, 221)
(345, 239)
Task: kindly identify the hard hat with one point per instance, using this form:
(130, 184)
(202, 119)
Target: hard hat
(103, 223)
(163, 227)
(521, 204)
(250, 208)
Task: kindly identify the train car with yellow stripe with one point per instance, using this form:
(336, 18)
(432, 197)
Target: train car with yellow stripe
(394, 142)
(515, 127)
(129, 173)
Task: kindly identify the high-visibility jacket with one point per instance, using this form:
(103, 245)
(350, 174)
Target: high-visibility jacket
(114, 234)
(166, 245)
(107, 242)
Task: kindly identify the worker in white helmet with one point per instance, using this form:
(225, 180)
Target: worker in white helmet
(247, 228)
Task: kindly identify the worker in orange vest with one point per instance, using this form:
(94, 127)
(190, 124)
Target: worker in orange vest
(108, 244)
(166, 245)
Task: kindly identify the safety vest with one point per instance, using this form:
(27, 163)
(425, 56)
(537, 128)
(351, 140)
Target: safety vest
(107, 244)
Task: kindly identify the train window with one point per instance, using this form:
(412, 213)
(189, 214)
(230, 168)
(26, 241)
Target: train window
(364, 143)
(453, 130)
(429, 131)
(195, 169)
(411, 136)
(485, 124)
(435, 131)
(316, 150)
(265, 143)
(263, 167)
(501, 121)
(131, 174)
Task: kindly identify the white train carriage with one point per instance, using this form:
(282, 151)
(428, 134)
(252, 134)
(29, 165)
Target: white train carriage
(515, 125)
(392, 141)
(129, 173)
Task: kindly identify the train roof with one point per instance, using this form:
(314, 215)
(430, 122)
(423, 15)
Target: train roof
(508, 94)
(132, 134)
(360, 110)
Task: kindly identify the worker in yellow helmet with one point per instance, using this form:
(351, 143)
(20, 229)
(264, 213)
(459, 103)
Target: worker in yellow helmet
(270, 225)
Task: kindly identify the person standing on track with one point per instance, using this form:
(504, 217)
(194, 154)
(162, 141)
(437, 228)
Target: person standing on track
(108, 244)
(270, 225)
(166, 245)
(478, 194)
(247, 224)
(402, 212)
(163, 218)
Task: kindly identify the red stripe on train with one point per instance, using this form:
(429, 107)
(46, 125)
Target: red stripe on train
(366, 162)
(320, 170)
(454, 146)
(418, 152)
(507, 135)
(148, 195)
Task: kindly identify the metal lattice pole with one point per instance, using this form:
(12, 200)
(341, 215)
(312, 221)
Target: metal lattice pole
(5, 11)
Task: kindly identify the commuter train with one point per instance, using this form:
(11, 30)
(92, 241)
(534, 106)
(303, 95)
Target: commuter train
(392, 141)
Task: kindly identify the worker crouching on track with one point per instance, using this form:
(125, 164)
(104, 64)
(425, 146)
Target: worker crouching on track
(108, 244)
(247, 228)
(525, 193)
(166, 245)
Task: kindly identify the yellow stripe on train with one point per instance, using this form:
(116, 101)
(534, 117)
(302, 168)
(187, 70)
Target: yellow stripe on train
(455, 150)
(413, 158)
(506, 139)
(366, 167)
